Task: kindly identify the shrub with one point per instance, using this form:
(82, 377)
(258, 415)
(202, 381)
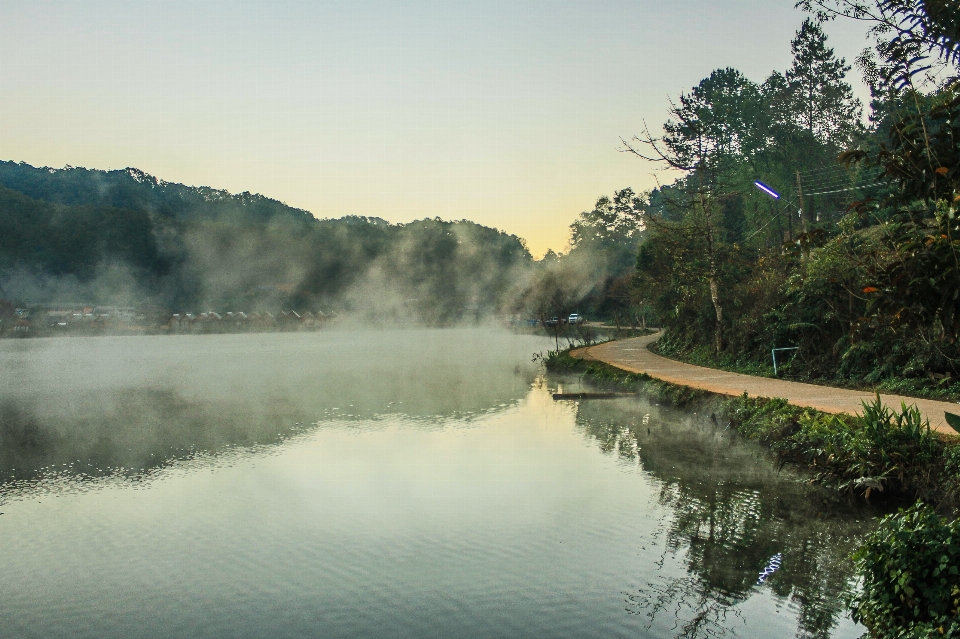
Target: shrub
(879, 450)
(910, 572)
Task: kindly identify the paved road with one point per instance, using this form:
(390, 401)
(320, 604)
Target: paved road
(634, 356)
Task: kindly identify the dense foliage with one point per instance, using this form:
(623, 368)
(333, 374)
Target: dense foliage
(75, 239)
(82, 236)
(855, 265)
(880, 453)
(910, 568)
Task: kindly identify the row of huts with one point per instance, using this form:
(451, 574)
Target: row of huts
(117, 320)
(212, 322)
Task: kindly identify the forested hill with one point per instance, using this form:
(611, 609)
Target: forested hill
(57, 240)
(131, 188)
(124, 237)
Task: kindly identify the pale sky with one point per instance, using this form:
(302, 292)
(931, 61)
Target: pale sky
(505, 113)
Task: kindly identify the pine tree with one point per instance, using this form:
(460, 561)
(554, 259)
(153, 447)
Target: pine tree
(813, 94)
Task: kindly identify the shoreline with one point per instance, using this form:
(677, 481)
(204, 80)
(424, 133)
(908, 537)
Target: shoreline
(634, 356)
(875, 451)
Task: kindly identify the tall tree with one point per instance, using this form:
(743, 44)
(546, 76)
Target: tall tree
(719, 121)
(613, 228)
(813, 95)
(711, 130)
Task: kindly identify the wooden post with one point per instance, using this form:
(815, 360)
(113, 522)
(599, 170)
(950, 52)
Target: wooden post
(803, 216)
(805, 244)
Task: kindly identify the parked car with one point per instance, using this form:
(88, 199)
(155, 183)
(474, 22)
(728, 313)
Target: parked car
(576, 318)
(552, 322)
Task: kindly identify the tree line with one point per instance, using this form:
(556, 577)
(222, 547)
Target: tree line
(76, 234)
(799, 220)
(798, 223)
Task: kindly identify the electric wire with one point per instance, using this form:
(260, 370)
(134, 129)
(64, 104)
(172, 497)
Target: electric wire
(832, 179)
(785, 205)
(820, 186)
(828, 169)
(824, 174)
(829, 178)
(852, 188)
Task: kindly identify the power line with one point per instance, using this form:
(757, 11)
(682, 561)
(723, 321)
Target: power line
(831, 179)
(831, 169)
(836, 169)
(785, 205)
(829, 184)
(852, 188)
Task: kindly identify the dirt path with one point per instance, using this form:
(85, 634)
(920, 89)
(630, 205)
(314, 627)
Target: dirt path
(634, 356)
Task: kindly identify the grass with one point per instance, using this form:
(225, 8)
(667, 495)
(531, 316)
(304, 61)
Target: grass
(611, 378)
(881, 453)
(908, 387)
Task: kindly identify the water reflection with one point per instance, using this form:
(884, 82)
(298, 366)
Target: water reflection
(95, 407)
(326, 474)
(730, 512)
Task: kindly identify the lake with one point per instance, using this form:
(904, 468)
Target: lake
(387, 483)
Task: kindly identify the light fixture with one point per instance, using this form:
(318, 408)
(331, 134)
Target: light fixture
(766, 189)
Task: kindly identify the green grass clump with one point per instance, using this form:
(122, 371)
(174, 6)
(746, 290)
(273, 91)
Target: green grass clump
(925, 386)
(561, 361)
(767, 420)
(920, 387)
(878, 451)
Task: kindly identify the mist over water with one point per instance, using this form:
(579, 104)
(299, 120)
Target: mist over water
(388, 483)
(102, 403)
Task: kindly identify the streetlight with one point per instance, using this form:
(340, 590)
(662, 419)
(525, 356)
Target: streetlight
(766, 189)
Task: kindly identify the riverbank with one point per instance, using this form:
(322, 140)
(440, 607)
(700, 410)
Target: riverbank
(936, 387)
(633, 355)
(872, 453)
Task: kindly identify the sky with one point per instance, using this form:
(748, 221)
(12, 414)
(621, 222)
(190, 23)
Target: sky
(506, 113)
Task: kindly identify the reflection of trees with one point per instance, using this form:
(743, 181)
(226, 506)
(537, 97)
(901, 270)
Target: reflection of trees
(731, 512)
(705, 615)
(76, 436)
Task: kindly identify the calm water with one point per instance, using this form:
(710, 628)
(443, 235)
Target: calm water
(385, 484)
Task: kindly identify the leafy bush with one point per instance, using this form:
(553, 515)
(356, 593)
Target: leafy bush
(768, 420)
(910, 571)
(879, 450)
(876, 450)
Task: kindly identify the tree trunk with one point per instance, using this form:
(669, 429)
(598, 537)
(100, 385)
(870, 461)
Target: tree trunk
(718, 307)
(712, 276)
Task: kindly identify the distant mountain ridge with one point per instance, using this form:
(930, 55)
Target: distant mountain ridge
(132, 188)
(127, 238)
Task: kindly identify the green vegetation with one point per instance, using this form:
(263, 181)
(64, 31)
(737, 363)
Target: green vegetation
(611, 378)
(879, 453)
(594, 278)
(856, 264)
(910, 567)
(75, 239)
(124, 237)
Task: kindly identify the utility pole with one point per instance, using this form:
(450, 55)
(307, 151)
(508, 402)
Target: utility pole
(803, 217)
(804, 244)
